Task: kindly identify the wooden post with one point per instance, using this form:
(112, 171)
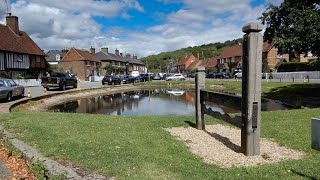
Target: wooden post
(315, 134)
(200, 84)
(251, 89)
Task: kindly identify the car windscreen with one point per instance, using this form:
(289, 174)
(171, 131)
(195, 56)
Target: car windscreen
(2, 83)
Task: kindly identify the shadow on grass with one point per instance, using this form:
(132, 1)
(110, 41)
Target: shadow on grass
(295, 90)
(303, 175)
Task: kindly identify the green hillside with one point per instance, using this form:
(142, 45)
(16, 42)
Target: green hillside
(157, 63)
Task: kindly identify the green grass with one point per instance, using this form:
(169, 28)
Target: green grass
(226, 86)
(139, 148)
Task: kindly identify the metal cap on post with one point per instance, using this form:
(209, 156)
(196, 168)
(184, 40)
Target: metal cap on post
(251, 89)
(200, 84)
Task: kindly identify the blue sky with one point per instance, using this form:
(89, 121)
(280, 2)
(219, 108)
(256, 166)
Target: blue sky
(142, 27)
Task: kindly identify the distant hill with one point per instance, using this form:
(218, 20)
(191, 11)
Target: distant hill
(155, 62)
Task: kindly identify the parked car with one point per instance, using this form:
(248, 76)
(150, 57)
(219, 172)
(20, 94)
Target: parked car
(238, 75)
(59, 80)
(135, 73)
(111, 80)
(222, 75)
(175, 77)
(9, 89)
(127, 79)
(211, 75)
(157, 77)
(143, 77)
(190, 75)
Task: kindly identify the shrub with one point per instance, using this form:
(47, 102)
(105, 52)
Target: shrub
(299, 66)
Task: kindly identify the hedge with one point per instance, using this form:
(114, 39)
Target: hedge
(299, 66)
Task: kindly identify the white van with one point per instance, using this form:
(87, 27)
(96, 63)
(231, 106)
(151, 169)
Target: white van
(135, 73)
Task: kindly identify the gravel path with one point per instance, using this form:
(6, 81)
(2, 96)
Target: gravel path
(220, 145)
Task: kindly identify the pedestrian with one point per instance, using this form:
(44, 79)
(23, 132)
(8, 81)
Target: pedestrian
(47, 74)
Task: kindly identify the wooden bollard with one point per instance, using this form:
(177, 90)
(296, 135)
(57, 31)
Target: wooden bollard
(251, 89)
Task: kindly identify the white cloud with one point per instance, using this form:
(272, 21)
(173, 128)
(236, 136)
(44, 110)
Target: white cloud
(55, 24)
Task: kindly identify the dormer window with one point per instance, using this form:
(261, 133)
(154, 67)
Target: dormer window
(58, 57)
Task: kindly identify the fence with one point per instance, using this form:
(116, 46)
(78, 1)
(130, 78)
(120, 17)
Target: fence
(297, 75)
(95, 78)
(28, 82)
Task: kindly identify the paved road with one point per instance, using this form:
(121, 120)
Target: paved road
(39, 90)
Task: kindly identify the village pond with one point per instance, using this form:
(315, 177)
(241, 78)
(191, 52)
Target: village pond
(149, 102)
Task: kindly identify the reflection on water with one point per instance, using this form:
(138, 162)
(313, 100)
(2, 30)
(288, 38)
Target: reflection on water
(145, 102)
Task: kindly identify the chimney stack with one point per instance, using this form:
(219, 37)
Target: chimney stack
(135, 57)
(117, 52)
(104, 50)
(92, 50)
(63, 52)
(13, 23)
(128, 55)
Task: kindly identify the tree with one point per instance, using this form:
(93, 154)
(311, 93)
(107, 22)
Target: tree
(294, 26)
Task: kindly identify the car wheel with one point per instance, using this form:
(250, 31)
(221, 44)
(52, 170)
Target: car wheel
(103, 83)
(63, 87)
(22, 94)
(9, 97)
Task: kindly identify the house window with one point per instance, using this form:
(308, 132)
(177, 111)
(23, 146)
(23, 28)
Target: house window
(94, 64)
(112, 62)
(88, 63)
(58, 57)
(20, 58)
(38, 59)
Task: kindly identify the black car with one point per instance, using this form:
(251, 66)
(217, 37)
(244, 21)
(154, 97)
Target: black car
(211, 75)
(127, 79)
(111, 80)
(222, 75)
(143, 77)
(59, 80)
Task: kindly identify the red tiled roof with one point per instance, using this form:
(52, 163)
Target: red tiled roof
(211, 62)
(232, 51)
(236, 50)
(185, 60)
(79, 55)
(194, 64)
(21, 43)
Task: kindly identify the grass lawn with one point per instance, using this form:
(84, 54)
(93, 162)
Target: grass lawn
(138, 147)
(230, 86)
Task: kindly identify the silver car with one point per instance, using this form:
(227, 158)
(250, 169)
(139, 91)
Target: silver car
(175, 77)
(10, 89)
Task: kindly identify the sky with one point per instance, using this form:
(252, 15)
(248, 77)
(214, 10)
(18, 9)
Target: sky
(141, 27)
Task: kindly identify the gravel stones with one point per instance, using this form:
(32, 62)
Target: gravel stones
(220, 145)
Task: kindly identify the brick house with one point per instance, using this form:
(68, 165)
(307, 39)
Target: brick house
(53, 57)
(80, 63)
(210, 64)
(184, 63)
(194, 65)
(121, 64)
(270, 53)
(19, 54)
(231, 57)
